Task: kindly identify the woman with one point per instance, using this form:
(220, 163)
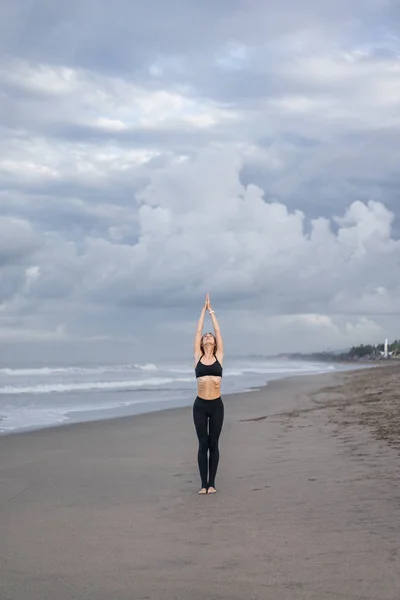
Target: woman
(208, 408)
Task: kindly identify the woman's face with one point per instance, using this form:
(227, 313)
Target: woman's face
(208, 338)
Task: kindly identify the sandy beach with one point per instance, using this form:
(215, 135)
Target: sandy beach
(308, 505)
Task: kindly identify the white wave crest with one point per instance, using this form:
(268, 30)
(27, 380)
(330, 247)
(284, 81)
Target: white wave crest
(40, 371)
(48, 388)
(146, 367)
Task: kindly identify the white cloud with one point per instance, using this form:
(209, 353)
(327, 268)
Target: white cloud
(199, 229)
(111, 103)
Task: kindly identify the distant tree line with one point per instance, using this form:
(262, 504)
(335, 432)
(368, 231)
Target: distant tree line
(368, 350)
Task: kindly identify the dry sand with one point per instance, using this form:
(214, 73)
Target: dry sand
(308, 504)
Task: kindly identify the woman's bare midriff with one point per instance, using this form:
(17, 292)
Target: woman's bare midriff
(209, 387)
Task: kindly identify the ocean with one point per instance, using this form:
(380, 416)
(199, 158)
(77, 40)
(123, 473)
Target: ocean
(40, 396)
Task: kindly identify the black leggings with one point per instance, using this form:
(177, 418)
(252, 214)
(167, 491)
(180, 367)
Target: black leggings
(208, 416)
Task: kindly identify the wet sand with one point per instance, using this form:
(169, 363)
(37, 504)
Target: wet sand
(308, 504)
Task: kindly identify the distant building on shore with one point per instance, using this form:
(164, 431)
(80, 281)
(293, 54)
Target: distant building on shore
(386, 353)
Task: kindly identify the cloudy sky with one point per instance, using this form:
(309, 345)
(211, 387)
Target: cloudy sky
(153, 151)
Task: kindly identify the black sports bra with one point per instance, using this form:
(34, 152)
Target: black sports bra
(214, 370)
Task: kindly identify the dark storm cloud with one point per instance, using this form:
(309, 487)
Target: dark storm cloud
(17, 240)
(122, 35)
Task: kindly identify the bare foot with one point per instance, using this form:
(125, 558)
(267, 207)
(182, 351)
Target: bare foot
(212, 490)
(202, 491)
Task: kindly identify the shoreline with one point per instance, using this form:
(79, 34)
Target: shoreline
(129, 415)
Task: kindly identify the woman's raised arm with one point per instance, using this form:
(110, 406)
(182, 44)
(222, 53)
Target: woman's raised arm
(217, 332)
(199, 331)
